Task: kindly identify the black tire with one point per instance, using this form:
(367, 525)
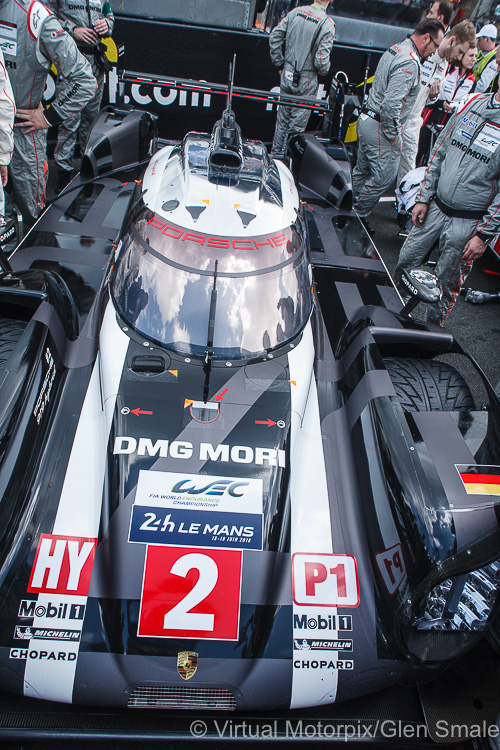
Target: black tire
(10, 333)
(429, 385)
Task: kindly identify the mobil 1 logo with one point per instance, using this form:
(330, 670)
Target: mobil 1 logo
(53, 610)
(322, 622)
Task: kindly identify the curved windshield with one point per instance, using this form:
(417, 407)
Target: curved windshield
(190, 292)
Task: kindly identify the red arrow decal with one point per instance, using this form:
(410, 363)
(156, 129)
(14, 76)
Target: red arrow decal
(139, 411)
(219, 396)
(269, 422)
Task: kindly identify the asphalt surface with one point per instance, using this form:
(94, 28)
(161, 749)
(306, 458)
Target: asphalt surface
(477, 327)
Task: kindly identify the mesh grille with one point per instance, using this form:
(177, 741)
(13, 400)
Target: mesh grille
(154, 696)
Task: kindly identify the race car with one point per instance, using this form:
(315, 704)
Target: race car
(235, 473)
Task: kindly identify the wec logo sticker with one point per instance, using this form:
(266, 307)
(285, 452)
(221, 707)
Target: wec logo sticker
(217, 487)
(198, 510)
(167, 489)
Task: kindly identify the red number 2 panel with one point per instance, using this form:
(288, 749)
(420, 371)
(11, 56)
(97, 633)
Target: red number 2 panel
(191, 593)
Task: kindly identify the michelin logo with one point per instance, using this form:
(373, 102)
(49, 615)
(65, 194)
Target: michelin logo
(27, 633)
(309, 644)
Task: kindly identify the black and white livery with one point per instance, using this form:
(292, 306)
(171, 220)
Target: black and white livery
(234, 475)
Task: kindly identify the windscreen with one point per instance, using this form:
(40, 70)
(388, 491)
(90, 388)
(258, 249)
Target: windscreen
(167, 287)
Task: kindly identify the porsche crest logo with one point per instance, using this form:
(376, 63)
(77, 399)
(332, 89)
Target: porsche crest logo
(187, 663)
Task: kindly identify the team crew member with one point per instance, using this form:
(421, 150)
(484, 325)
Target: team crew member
(485, 68)
(300, 46)
(395, 87)
(88, 21)
(452, 49)
(455, 88)
(39, 42)
(459, 200)
(442, 10)
(7, 111)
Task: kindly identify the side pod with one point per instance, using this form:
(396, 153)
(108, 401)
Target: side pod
(327, 175)
(119, 137)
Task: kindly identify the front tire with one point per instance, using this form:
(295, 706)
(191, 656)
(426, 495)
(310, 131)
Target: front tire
(10, 333)
(428, 385)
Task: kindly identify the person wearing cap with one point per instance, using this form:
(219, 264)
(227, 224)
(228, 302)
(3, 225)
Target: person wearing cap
(485, 68)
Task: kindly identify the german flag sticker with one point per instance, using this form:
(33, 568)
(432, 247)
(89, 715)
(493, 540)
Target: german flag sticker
(480, 479)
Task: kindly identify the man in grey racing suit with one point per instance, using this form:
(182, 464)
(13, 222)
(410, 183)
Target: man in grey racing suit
(395, 87)
(88, 21)
(7, 110)
(459, 202)
(33, 40)
(300, 47)
(451, 50)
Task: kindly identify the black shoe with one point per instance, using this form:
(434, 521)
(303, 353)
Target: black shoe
(63, 178)
(367, 225)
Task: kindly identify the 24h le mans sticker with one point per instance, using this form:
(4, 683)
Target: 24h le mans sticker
(189, 593)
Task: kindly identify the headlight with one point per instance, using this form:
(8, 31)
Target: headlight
(453, 615)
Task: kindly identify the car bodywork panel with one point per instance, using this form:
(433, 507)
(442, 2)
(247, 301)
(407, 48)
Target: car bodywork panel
(284, 485)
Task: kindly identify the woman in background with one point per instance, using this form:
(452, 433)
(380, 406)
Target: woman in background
(455, 87)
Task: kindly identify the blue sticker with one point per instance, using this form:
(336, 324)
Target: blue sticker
(196, 528)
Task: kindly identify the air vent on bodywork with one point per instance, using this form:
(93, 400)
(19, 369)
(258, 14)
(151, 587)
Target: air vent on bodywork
(148, 363)
(155, 696)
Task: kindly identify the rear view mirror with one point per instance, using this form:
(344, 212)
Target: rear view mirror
(422, 285)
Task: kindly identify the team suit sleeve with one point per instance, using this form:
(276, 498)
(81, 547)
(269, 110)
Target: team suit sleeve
(428, 189)
(67, 24)
(321, 55)
(489, 226)
(486, 77)
(401, 81)
(75, 83)
(7, 112)
(107, 13)
(277, 41)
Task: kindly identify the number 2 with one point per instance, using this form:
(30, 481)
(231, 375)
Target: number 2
(179, 617)
(178, 580)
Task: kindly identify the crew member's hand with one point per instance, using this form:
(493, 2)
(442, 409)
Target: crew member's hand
(84, 35)
(3, 174)
(34, 119)
(102, 27)
(473, 249)
(448, 107)
(434, 89)
(418, 213)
